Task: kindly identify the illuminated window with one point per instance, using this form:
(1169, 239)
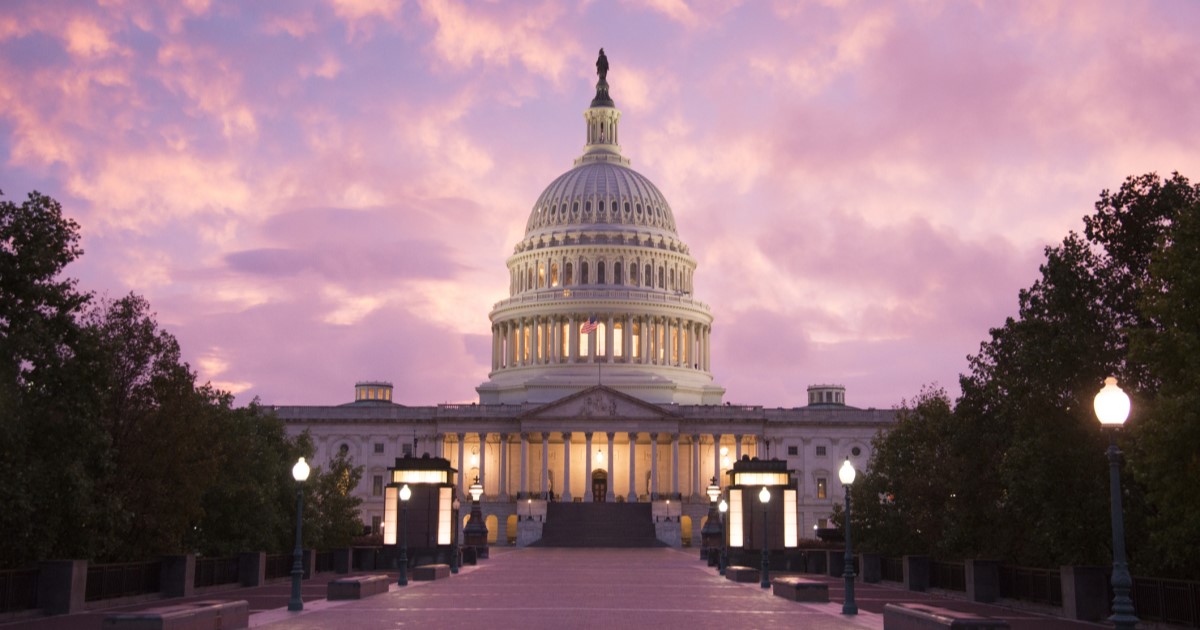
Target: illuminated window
(637, 340)
(528, 332)
(568, 278)
(565, 335)
(674, 344)
(821, 487)
(619, 338)
(541, 277)
(553, 274)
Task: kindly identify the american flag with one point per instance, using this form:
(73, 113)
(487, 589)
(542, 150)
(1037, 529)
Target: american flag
(590, 325)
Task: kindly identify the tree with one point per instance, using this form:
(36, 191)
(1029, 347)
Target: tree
(331, 511)
(1166, 456)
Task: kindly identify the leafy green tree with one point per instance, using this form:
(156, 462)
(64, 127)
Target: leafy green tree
(331, 511)
(1166, 457)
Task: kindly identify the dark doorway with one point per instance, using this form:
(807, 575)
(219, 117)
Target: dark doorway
(599, 485)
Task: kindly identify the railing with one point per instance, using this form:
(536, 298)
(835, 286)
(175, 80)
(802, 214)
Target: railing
(1167, 601)
(891, 569)
(1040, 586)
(279, 565)
(18, 590)
(639, 295)
(108, 581)
(324, 562)
(950, 576)
(214, 571)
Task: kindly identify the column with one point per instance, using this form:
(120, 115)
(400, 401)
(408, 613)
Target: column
(439, 445)
(573, 339)
(554, 356)
(591, 341)
(737, 443)
(674, 464)
(612, 475)
(566, 493)
(627, 339)
(524, 464)
(653, 466)
(483, 461)
(587, 467)
(462, 470)
(545, 464)
(537, 341)
(608, 341)
(696, 465)
(503, 489)
(632, 469)
(717, 459)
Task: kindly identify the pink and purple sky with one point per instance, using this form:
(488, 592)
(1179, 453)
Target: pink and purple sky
(312, 193)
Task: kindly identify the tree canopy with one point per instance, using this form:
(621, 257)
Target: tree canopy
(112, 449)
(1018, 470)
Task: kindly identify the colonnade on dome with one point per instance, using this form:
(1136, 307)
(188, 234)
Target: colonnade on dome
(621, 338)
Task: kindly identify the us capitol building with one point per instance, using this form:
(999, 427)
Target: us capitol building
(600, 387)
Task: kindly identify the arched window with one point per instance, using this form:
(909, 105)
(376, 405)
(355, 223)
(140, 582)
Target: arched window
(617, 277)
(529, 280)
(672, 278)
(649, 277)
(541, 276)
(568, 277)
(661, 278)
(583, 272)
(600, 272)
(553, 275)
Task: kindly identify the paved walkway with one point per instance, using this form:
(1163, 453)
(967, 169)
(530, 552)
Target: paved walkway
(615, 589)
(532, 588)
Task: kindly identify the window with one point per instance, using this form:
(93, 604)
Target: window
(553, 274)
(600, 272)
(583, 273)
(379, 448)
(793, 450)
(376, 523)
(568, 278)
(820, 451)
(617, 279)
(649, 276)
(344, 449)
(856, 451)
(821, 486)
(377, 485)
(407, 450)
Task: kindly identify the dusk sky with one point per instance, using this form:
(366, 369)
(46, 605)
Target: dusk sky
(311, 193)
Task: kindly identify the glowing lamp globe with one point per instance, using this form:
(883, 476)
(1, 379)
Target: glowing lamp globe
(1111, 404)
(405, 493)
(764, 495)
(300, 470)
(723, 506)
(847, 473)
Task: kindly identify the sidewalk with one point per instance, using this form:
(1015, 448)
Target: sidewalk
(531, 588)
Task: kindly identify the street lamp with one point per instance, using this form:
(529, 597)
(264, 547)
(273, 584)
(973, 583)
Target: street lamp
(721, 560)
(1112, 409)
(847, 473)
(764, 496)
(454, 542)
(405, 495)
(476, 531)
(711, 528)
(300, 474)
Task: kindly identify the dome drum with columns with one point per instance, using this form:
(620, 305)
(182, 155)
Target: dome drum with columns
(600, 243)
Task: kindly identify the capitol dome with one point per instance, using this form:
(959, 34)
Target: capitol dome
(600, 287)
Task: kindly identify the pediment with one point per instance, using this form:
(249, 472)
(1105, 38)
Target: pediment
(599, 403)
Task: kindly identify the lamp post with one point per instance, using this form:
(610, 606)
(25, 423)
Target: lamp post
(847, 473)
(476, 531)
(405, 495)
(764, 496)
(711, 528)
(723, 507)
(300, 474)
(454, 543)
(1112, 409)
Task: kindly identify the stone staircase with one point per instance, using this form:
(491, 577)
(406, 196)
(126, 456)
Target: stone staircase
(598, 525)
